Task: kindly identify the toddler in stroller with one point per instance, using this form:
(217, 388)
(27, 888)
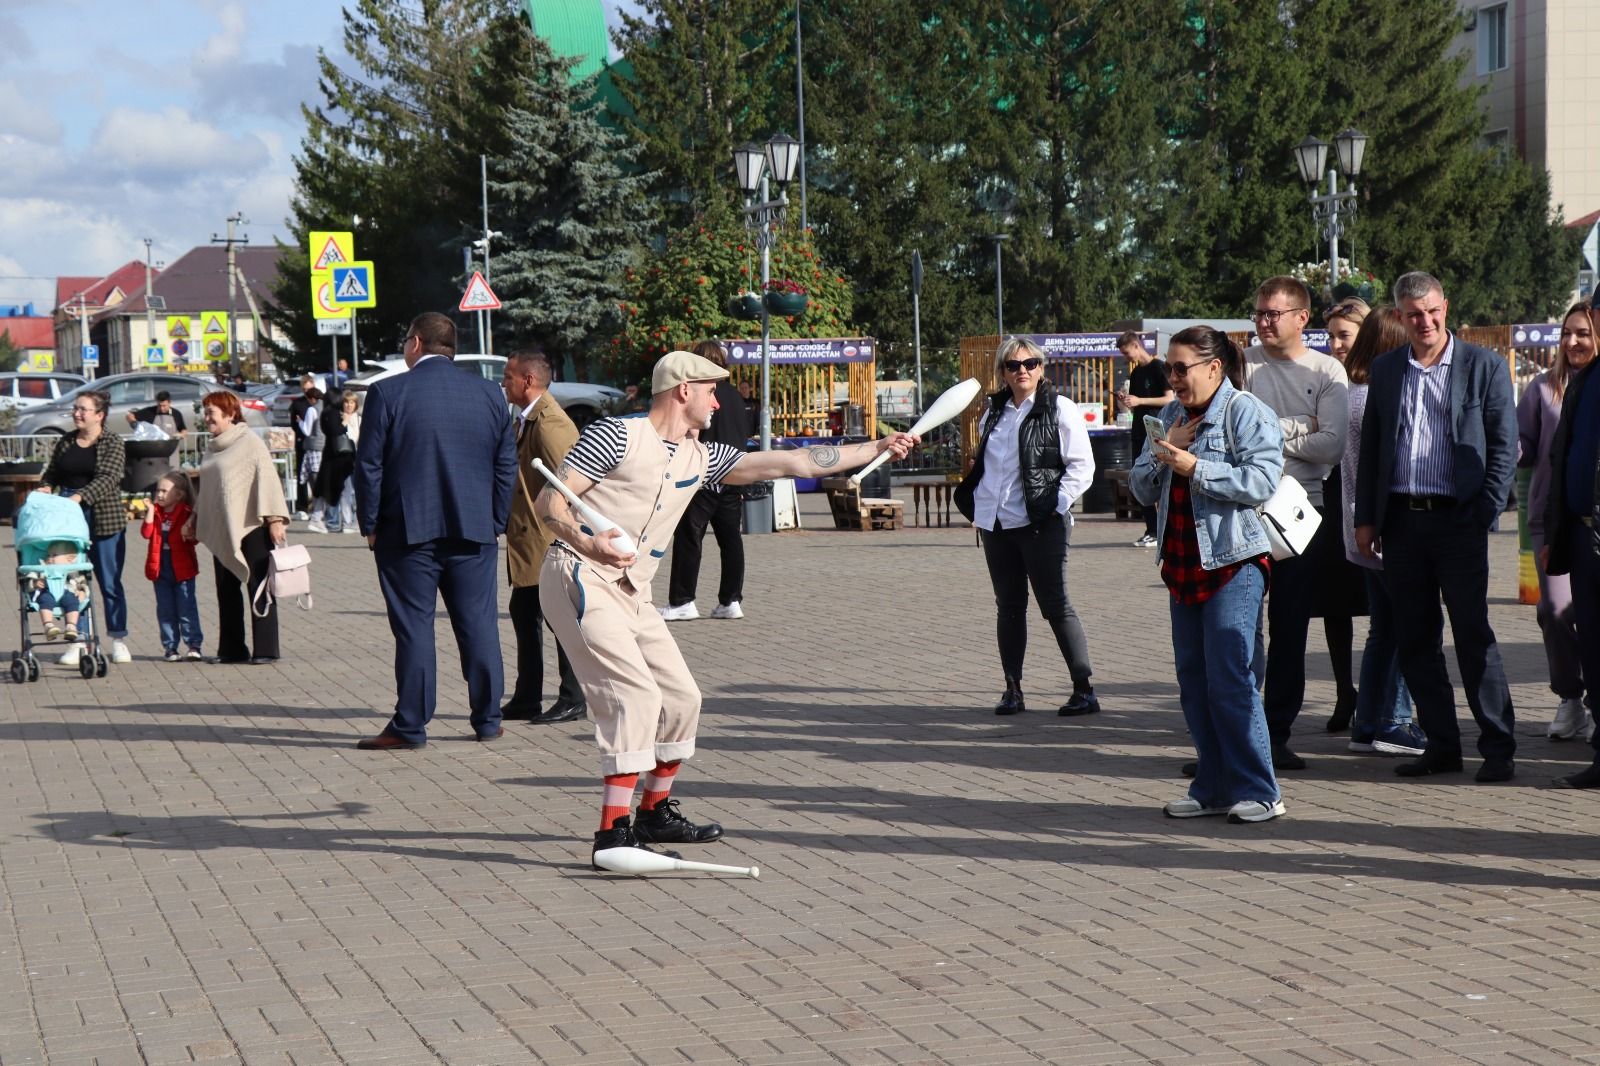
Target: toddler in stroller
(54, 574)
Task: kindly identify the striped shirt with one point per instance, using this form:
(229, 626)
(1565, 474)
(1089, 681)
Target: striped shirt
(1424, 456)
(604, 442)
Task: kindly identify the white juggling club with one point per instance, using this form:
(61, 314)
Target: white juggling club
(950, 403)
(597, 521)
(638, 861)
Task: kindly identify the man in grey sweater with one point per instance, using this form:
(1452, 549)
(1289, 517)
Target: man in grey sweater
(1311, 395)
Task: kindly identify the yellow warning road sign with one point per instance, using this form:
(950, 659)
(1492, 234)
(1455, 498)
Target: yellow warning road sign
(329, 248)
(178, 327)
(322, 305)
(214, 323)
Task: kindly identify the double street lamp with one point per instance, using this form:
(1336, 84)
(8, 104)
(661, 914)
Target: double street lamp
(1331, 209)
(756, 165)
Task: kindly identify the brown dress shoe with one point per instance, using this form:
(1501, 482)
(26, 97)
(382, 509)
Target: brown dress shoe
(387, 741)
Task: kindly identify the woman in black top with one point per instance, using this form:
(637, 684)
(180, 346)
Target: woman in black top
(87, 467)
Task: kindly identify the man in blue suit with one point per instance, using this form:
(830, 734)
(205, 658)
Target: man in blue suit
(435, 469)
(1438, 450)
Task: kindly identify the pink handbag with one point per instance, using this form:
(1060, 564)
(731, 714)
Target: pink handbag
(288, 576)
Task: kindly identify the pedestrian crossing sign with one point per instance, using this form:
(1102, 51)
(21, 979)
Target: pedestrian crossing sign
(353, 285)
(155, 355)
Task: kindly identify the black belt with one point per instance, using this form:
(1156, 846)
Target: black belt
(1422, 503)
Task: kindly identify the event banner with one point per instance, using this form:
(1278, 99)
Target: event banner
(1082, 345)
(1542, 335)
(815, 350)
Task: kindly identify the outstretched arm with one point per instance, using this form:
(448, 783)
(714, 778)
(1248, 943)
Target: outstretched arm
(824, 460)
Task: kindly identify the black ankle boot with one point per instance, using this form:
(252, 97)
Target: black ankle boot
(1011, 702)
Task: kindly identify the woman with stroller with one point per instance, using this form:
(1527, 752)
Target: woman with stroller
(239, 515)
(341, 429)
(87, 468)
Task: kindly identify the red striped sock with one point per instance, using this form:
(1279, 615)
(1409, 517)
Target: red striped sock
(658, 784)
(618, 802)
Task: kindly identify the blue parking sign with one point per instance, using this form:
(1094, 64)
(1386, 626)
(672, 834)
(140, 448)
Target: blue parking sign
(91, 355)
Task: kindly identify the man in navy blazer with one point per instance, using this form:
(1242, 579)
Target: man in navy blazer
(435, 468)
(1438, 451)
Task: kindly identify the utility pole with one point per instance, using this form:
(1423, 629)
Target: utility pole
(999, 291)
(486, 326)
(83, 334)
(237, 218)
(149, 312)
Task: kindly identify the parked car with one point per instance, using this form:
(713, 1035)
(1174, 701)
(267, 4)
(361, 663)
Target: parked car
(132, 391)
(583, 403)
(23, 389)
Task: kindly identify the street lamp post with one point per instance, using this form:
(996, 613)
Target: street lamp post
(999, 292)
(755, 165)
(1332, 209)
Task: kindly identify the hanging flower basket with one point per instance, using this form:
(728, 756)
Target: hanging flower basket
(786, 298)
(746, 305)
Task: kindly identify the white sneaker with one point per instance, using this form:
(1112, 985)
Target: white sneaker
(1571, 718)
(316, 525)
(1190, 808)
(120, 652)
(1145, 541)
(300, 516)
(349, 529)
(1254, 811)
(727, 610)
(681, 613)
(71, 656)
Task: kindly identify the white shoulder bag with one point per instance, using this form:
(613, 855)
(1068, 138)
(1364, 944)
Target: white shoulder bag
(288, 575)
(1288, 517)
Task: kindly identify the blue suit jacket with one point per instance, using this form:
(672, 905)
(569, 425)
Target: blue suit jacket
(1484, 424)
(436, 457)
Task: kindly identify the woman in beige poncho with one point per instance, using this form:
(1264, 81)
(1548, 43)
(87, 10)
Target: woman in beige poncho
(239, 515)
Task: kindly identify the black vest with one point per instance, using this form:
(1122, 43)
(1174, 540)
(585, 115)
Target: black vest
(1038, 449)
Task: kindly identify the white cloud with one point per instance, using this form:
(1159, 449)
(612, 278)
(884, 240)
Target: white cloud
(172, 144)
(225, 44)
(26, 117)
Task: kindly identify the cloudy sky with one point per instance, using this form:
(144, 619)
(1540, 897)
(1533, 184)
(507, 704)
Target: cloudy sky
(159, 119)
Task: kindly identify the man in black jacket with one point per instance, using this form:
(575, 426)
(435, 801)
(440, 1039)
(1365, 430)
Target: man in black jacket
(721, 508)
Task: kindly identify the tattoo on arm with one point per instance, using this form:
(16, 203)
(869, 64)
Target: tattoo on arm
(825, 456)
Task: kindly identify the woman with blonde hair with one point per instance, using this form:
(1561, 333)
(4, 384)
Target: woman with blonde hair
(1537, 414)
(1033, 462)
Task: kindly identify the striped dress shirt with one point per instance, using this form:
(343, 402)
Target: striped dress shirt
(1424, 457)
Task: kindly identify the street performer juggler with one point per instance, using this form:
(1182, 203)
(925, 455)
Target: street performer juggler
(641, 473)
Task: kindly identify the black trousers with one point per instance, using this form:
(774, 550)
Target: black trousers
(233, 603)
(527, 622)
(1036, 555)
(1428, 555)
(302, 491)
(722, 511)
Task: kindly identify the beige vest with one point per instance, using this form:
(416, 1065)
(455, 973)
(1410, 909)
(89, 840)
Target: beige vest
(646, 495)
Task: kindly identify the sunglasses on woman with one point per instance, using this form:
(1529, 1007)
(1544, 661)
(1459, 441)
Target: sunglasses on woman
(1014, 365)
(1181, 370)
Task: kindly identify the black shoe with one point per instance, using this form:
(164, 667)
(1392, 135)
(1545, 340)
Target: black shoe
(1430, 764)
(1343, 711)
(1588, 778)
(1284, 759)
(662, 824)
(1494, 770)
(561, 711)
(1189, 769)
(1082, 701)
(1011, 702)
(521, 712)
(621, 835)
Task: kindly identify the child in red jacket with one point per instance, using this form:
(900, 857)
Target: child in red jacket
(171, 564)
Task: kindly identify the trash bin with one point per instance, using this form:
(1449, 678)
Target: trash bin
(876, 485)
(758, 507)
(1112, 450)
(147, 461)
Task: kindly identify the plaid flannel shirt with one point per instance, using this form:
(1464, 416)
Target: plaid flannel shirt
(1189, 582)
(103, 494)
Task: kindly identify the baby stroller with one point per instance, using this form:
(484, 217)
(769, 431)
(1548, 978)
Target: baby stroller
(42, 521)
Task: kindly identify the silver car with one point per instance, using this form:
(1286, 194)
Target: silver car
(129, 392)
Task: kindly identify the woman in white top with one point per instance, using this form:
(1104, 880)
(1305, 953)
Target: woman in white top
(1033, 462)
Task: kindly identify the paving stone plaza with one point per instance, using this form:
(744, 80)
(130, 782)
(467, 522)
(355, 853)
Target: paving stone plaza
(197, 865)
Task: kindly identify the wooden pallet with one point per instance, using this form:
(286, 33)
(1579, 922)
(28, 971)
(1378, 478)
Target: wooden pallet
(852, 511)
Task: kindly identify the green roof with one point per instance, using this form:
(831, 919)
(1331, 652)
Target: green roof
(573, 28)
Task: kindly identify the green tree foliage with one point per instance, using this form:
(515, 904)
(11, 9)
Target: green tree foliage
(706, 76)
(396, 141)
(572, 215)
(678, 296)
(10, 354)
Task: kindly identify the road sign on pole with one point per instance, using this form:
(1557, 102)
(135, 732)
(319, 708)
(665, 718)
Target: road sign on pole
(354, 285)
(333, 327)
(329, 248)
(91, 355)
(479, 297)
(155, 355)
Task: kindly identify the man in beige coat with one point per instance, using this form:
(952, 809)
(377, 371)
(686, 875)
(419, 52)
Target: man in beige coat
(544, 432)
(641, 473)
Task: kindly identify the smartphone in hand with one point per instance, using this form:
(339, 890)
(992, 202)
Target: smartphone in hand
(1153, 428)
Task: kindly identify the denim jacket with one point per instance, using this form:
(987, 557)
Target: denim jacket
(1225, 489)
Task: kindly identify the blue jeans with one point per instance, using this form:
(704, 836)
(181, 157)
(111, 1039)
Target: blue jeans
(108, 554)
(1215, 646)
(176, 609)
(1384, 700)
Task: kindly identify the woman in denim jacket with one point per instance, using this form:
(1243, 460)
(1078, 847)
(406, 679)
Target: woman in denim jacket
(1221, 457)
